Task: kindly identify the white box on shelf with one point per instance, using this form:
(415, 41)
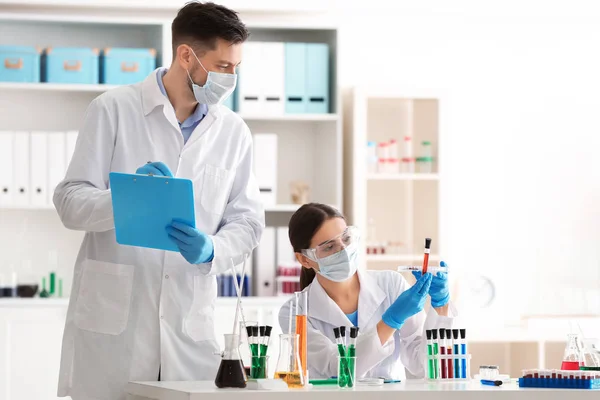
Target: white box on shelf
(39, 168)
(250, 96)
(21, 169)
(56, 161)
(285, 251)
(265, 166)
(7, 185)
(264, 270)
(273, 79)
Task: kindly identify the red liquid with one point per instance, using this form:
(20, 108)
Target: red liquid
(570, 366)
(425, 262)
(450, 365)
(444, 370)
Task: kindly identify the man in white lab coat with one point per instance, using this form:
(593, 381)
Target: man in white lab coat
(135, 313)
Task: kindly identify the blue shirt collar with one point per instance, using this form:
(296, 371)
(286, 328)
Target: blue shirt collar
(198, 114)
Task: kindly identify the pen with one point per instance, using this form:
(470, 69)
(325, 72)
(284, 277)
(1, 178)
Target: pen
(491, 383)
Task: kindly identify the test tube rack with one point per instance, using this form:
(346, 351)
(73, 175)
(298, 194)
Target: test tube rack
(440, 362)
(560, 379)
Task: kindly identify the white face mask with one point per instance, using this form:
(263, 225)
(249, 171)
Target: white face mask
(340, 266)
(217, 88)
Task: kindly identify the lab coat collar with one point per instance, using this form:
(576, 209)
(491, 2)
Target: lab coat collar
(152, 97)
(323, 308)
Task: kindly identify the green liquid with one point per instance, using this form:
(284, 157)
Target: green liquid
(435, 362)
(352, 354)
(343, 367)
(430, 370)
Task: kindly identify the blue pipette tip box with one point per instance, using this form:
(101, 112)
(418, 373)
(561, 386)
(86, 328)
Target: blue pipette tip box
(559, 383)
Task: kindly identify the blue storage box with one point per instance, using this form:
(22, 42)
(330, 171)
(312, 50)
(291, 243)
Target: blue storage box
(127, 66)
(19, 64)
(72, 65)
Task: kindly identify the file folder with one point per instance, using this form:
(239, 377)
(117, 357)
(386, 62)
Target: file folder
(295, 78)
(251, 76)
(264, 272)
(265, 166)
(6, 166)
(21, 169)
(317, 83)
(144, 205)
(57, 168)
(39, 169)
(273, 80)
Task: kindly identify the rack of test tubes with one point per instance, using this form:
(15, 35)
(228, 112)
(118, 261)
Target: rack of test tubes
(346, 355)
(447, 357)
(259, 338)
(560, 379)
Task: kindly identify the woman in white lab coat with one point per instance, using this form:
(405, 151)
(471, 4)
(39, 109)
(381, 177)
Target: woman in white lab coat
(387, 310)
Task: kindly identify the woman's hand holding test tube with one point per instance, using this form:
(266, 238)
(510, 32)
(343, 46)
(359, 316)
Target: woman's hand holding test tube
(439, 290)
(409, 303)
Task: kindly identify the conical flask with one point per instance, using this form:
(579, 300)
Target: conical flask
(591, 354)
(573, 352)
(231, 371)
(289, 367)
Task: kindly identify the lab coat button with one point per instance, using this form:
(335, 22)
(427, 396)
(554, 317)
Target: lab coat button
(166, 276)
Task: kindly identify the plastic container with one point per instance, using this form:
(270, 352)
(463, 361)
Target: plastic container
(383, 150)
(393, 148)
(382, 166)
(121, 66)
(408, 165)
(72, 65)
(20, 64)
(393, 165)
(372, 157)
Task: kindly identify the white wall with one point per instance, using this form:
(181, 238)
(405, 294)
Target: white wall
(520, 167)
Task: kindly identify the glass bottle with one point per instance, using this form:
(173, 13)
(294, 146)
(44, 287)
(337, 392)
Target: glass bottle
(288, 364)
(572, 358)
(591, 354)
(231, 372)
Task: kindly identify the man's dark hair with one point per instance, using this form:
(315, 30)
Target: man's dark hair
(201, 24)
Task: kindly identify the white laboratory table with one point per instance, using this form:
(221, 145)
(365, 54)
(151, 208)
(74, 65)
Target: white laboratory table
(411, 390)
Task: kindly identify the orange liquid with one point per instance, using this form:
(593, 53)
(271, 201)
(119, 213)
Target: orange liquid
(291, 378)
(302, 350)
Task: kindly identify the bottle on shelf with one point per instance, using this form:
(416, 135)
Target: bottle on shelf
(8, 282)
(393, 148)
(372, 158)
(408, 161)
(425, 161)
(27, 285)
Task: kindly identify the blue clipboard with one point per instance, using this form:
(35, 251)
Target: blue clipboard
(144, 205)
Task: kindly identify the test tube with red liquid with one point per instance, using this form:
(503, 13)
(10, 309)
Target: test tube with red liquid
(426, 255)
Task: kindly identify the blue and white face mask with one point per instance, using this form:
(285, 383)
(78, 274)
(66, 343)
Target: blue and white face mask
(217, 88)
(340, 266)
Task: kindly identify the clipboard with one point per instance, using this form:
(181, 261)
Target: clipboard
(144, 205)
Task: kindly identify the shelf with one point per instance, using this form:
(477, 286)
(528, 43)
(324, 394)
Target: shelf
(399, 257)
(56, 87)
(403, 177)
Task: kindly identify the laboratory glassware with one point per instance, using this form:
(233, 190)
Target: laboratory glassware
(591, 355)
(245, 354)
(27, 286)
(346, 371)
(288, 364)
(231, 372)
(572, 358)
(301, 313)
(426, 254)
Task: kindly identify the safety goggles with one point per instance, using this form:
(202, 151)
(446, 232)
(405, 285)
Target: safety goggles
(349, 237)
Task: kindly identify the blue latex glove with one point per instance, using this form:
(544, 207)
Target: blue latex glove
(439, 291)
(155, 168)
(409, 303)
(195, 246)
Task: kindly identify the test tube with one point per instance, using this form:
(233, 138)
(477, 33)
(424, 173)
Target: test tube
(343, 335)
(426, 254)
(456, 344)
(436, 351)
(449, 352)
(410, 268)
(430, 373)
(463, 351)
(443, 361)
(301, 312)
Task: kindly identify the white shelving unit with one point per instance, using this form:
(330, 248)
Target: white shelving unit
(399, 208)
(309, 145)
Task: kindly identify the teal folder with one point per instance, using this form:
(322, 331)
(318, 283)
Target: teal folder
(144, 205)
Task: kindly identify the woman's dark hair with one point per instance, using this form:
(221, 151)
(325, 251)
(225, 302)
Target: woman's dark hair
(302, 227)
(199, 24)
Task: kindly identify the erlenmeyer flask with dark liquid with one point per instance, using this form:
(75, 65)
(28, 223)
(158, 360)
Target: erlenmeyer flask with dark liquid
(231, 372)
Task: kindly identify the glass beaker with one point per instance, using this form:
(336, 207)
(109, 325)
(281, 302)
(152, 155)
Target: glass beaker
(288, 364)
(231, 372)
(572, 358)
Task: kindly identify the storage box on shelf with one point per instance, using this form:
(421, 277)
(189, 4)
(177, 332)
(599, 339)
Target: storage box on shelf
(19, 64)
(71, 65)
(121, 66)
